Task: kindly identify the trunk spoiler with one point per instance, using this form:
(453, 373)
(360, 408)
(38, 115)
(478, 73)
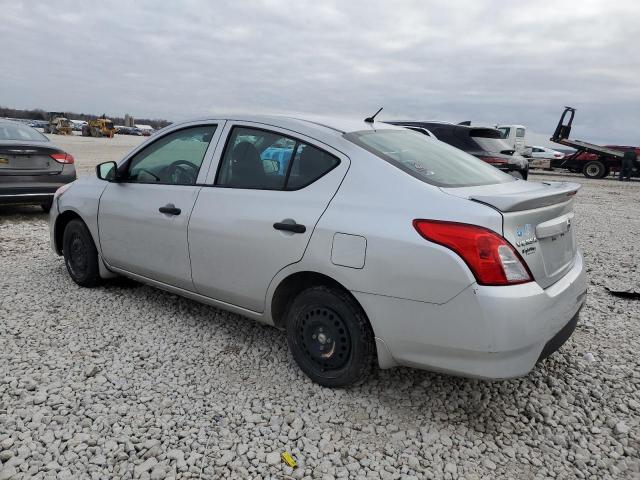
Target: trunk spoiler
(542, 195)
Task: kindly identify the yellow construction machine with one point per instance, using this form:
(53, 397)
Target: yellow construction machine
(100, 127)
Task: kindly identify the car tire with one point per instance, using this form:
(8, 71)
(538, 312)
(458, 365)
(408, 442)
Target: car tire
(330, 337)
(594, 169)
(80, 254)
(46, 206)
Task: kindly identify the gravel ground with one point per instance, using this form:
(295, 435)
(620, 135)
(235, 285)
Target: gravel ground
(89, 151)
(125, 381)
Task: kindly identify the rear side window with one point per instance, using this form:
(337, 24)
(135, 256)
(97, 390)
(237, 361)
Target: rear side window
(15, 131)
(520, 132)
(260, 159)
(490, 140)
(431, 161)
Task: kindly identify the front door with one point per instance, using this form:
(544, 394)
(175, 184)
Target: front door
(258, 215)
(143, 217)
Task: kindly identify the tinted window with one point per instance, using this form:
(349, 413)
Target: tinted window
(15, 131)
(174, 159)
(310, 164)
(430, 161)
(260, 159)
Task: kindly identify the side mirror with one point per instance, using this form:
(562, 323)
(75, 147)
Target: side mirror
(107, 171)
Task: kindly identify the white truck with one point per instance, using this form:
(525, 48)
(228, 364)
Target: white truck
(515, 136)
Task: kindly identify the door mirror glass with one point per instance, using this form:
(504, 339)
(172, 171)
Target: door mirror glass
(107, 171)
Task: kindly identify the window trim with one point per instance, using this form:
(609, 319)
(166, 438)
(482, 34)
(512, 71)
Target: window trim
(295, 150)
(127, 163)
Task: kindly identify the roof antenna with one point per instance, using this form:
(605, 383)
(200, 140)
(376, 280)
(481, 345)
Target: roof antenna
(372, 117)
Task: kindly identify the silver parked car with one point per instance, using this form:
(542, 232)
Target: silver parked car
(366, 242)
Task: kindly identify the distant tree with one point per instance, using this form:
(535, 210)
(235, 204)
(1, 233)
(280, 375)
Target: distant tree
(40, 114)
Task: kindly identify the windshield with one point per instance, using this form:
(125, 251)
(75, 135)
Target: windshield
(490, 140)
(429, 160)
(16, 131)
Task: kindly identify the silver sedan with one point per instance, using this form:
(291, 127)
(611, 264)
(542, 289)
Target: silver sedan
(367, 242)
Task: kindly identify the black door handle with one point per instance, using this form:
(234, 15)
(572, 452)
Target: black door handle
(290, 227)
(170, 209)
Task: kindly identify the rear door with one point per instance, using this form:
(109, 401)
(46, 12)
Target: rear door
(258, 210)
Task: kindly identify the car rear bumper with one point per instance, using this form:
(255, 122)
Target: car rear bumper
(33, 189)
(483, 332)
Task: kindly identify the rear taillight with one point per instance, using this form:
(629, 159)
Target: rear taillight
(62, 157)
(492, 260)
(494, 160)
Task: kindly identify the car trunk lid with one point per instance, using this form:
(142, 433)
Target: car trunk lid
(28, 159)
(537, 221)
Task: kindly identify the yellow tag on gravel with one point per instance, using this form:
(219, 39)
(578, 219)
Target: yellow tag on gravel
(289, 460)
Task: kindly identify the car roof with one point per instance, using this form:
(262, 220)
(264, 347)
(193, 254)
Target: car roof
(307, 124)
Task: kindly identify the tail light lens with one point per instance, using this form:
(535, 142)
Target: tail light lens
(62, 157)
(492, 260)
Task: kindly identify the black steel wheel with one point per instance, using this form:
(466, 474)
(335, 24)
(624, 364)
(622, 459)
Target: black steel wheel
(80, 254)
(330, 337)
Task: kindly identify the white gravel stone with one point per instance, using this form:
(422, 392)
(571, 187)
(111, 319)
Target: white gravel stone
(273, 458)
(7, 472)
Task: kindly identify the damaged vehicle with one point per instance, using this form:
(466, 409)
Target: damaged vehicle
(368, 243)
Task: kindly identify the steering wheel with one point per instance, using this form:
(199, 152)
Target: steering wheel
(179, 175)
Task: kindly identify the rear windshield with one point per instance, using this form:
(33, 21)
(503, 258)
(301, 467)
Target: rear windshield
(15, 131)
(490, 140)
(429, 160)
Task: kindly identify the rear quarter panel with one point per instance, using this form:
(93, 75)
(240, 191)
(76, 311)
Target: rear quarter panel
(379, 202)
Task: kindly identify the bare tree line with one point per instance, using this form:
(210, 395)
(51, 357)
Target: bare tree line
(39, 114)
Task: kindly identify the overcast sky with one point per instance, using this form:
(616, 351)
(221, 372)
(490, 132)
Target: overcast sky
(485, 61)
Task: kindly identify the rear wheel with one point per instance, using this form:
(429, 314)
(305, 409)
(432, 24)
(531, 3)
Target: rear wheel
(594, 169)
(80, 254)
(330, 337)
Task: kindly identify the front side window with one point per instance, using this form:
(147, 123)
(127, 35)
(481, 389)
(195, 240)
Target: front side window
(260, 159)
(433, 162)
(174, 159)
(506, 131)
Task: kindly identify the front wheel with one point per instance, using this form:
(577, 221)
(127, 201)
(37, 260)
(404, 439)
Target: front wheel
(80, 254)
(330, 337)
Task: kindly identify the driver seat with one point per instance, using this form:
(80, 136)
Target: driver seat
(246, 167)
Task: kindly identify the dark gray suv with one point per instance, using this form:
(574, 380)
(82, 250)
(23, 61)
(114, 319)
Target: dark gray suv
(31, 167)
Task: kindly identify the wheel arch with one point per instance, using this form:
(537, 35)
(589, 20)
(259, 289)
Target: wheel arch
(296, 282)
(62, 221)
